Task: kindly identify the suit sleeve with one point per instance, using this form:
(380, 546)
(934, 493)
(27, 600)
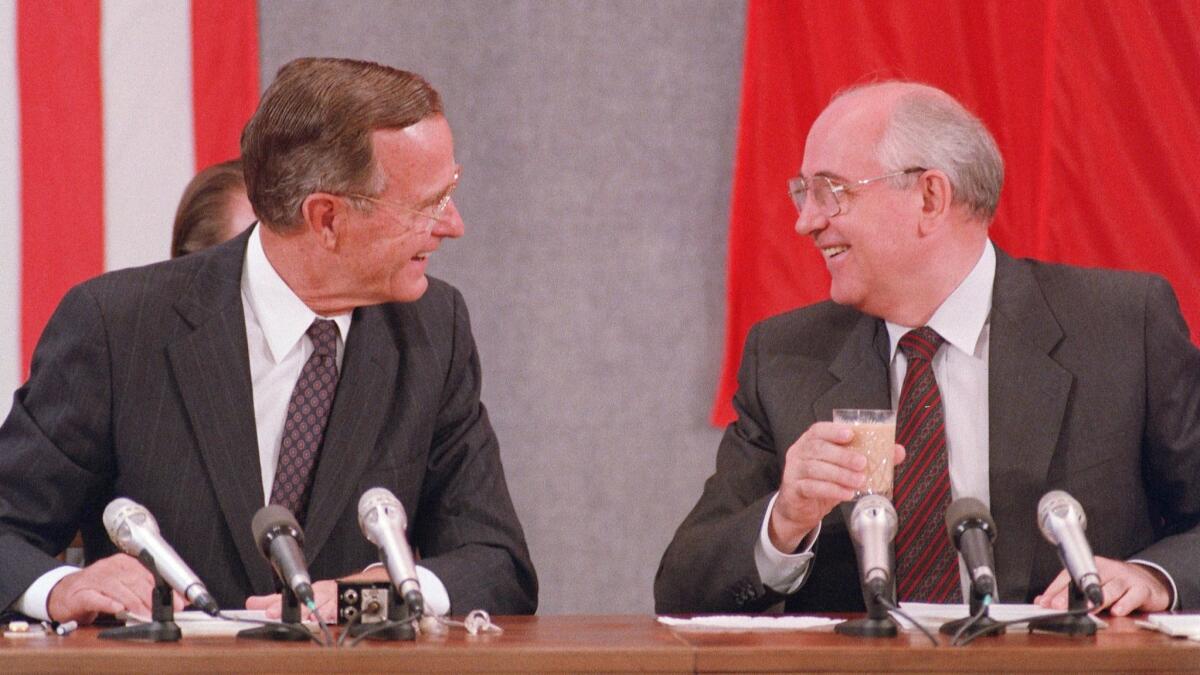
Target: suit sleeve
(53, 446)
(1172, 441)
(469, 534)
(709, 565)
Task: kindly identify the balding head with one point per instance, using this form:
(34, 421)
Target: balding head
(915, 178)
(909, 124)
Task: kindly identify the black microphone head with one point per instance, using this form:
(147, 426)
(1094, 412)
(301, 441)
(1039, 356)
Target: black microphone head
(271, 520)
(968, 510)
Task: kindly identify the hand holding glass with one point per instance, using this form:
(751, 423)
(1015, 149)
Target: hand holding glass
(874, 436)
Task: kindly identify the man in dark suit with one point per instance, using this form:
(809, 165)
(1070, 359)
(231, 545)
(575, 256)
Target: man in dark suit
(1049, 377)
(196, 387)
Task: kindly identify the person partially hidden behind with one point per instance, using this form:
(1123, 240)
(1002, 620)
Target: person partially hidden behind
(1049, 377)
(214, 209)
(301, 363)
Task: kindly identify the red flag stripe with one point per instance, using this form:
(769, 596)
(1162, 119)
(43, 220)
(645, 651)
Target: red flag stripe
(62, 159)
(225, 75)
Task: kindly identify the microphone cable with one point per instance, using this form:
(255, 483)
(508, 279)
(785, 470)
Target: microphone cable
(299, 629)
(312, 608)
(894, 607)
(983, 605)
(385, 625)
(354, 621)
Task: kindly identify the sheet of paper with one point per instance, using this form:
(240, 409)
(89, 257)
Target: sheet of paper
(1176, 625)
(742, 622)
(194, 623)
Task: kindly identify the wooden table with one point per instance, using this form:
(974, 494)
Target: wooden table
(615, 643)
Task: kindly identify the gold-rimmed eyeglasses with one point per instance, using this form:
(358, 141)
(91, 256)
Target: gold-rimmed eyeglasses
(828, 194)
(435, 214)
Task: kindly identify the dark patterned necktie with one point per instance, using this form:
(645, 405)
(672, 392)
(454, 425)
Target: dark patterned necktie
(307, 414)
(926, 564)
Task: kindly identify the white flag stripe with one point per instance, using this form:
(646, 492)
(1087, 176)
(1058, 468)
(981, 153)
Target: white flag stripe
(149, 152)
(10, 210)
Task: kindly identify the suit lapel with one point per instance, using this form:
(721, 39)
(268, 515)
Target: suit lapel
(1027, 399)
(212, 367)
(861, 368)
(366, 389)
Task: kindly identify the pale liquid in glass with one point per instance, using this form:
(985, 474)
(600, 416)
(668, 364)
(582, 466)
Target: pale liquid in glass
(875, 442)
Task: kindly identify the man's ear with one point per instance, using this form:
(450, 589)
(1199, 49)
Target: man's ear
(937, 195)
(323, 215)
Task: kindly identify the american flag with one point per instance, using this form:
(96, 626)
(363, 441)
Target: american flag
(107, 109)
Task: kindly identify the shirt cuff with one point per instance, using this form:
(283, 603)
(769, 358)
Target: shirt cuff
(783, 572)
(33, 602)
(437, 600)
(1174, 590)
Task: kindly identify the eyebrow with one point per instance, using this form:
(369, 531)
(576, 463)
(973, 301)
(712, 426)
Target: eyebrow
(432, 201)
(832, 175)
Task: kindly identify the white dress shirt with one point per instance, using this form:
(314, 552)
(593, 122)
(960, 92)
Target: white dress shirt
(961, 370)
(277, 322)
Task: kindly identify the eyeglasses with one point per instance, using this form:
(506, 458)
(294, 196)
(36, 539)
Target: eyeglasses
(436, 214)
(829, 195)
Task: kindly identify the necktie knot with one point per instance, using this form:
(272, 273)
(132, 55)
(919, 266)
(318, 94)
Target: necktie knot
(323, 334)
(921, 343)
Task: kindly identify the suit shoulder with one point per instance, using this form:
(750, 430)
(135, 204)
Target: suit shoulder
(816, 330)
(1092, 287)
(165, 280)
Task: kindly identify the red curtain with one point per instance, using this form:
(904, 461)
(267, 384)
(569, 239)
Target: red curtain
(1095, 106)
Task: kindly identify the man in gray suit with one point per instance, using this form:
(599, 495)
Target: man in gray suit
(301, 363)
(1050, 377)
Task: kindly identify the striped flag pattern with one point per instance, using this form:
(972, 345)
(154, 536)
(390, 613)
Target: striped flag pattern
(107, 109)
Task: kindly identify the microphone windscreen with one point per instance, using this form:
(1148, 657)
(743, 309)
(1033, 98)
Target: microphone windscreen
(872, 511)
(965, 509)
(121, 509)
(376, 497)
(269, 518)
(1061, 504)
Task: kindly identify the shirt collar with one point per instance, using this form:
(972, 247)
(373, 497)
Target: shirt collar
(281, 314)
(961, 317)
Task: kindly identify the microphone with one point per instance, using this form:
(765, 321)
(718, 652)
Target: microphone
(1062, 522)
(872, 528)
(134, 531)
(279, 537)
(972, 530)
(383, 521)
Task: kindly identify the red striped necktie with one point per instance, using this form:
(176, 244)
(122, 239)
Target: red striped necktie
(926, 564)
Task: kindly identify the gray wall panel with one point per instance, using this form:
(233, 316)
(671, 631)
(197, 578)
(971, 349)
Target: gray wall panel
(597, 142)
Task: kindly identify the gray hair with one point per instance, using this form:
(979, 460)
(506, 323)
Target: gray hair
(313, 130)
(931, 130)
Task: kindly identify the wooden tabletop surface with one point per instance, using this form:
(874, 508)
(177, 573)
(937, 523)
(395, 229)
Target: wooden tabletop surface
(616, 643)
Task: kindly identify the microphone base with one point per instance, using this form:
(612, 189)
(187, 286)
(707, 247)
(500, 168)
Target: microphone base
(986, 626)
(395, 631)
(155, 631)
(290, 632)
(983, 627)
(1068, 625)
(868, 628)
(162, 626)
(289, 629)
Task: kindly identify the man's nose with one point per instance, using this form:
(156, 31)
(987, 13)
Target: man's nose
(450, 224)
(811, 220)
